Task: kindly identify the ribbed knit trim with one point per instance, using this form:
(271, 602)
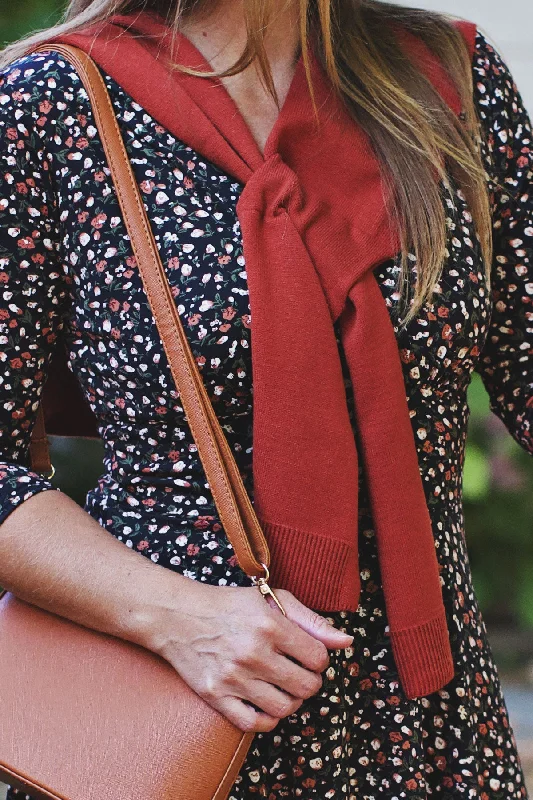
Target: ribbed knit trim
(312, 567)
(322, 573)
(423, 657)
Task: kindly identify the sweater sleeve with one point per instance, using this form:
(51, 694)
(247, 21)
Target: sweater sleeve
(32, 288)
(506, 362)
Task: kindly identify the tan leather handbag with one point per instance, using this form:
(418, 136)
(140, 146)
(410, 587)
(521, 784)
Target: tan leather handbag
(87, 716)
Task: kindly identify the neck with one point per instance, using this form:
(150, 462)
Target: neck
(220, 33)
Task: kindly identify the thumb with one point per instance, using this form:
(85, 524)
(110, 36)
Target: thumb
(315, 624)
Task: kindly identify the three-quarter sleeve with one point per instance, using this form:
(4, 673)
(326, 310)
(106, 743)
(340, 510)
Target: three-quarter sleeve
(506, 362)
(32, 286)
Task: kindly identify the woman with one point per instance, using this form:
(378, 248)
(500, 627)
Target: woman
(458, 290)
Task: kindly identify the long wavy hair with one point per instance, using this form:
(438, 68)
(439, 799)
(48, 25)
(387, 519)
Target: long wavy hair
(420, 142)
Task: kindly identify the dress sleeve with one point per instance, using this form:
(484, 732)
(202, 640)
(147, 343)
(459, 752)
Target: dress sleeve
(32, 288)
(506, 361)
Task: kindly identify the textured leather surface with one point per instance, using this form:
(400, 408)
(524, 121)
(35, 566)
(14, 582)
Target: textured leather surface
(82, 713)
(86, 716)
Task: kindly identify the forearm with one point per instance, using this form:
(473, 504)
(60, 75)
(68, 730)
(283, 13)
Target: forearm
(54, 555)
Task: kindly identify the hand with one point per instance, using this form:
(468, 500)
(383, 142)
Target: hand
(235, 649)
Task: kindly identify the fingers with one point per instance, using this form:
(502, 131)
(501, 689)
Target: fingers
(271, 700)
(314, 624)
(291, 677)
(259, 665)
(293, 641)
(244, 717)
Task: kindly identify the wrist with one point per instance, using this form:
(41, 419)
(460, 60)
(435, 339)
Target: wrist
(160, 613)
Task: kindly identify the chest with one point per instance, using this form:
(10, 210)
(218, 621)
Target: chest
(192, 209)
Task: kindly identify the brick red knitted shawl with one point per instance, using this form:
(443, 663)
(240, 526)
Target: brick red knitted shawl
(314, 225)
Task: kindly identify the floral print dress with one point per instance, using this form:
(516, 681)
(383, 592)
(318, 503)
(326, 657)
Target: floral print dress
(67, 275)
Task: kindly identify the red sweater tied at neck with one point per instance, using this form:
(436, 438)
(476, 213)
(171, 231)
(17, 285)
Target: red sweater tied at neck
(314, 226)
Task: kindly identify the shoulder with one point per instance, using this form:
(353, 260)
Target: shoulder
(496, 97)
(498, 100)
(493, 80)
(43, 91)
(505, 124)
(37, 76)
(36, 91)
(492, 77)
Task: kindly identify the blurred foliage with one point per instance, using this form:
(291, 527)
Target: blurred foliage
(498, 495)
(19, 17)
(498, 478)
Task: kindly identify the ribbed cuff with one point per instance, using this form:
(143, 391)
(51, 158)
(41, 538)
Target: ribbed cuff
(423, 657)
(322, 573)
(17, 484)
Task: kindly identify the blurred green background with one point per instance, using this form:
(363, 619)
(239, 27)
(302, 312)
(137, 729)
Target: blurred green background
(498, 481)
(19, 17)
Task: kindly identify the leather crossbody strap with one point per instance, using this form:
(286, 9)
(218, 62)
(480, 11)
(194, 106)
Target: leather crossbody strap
(231, 498)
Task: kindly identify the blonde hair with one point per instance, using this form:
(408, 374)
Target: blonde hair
(415, 135)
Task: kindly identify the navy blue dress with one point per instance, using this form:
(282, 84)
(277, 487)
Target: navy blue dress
(67, 275)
